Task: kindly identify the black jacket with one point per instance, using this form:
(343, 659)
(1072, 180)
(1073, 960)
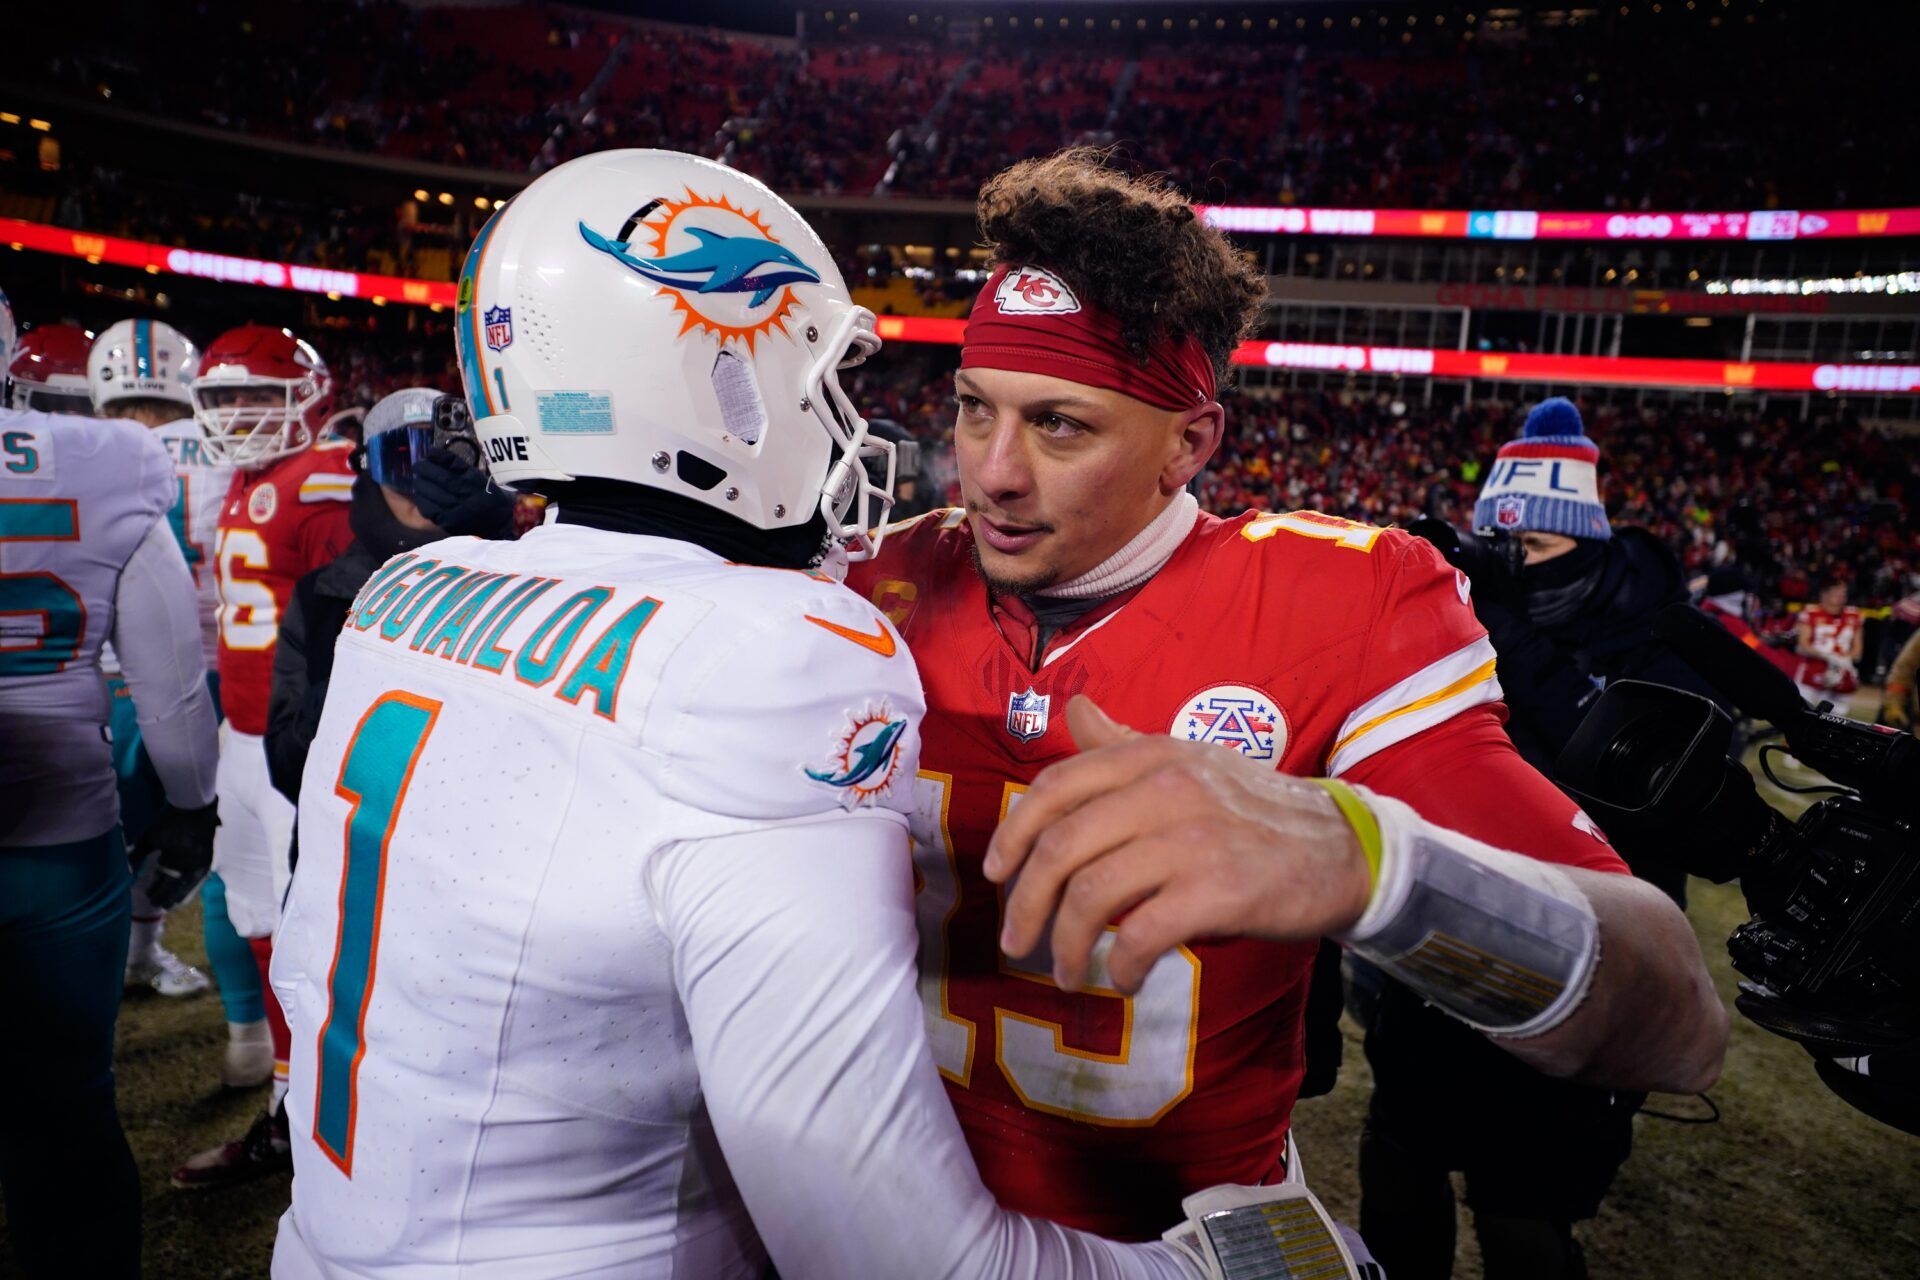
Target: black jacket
(303, 661)
(1552, 675)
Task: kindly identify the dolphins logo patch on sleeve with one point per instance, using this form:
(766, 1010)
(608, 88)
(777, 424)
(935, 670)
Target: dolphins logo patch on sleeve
(720, 265)
(866, 756)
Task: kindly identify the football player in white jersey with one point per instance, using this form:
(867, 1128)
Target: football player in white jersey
(139, 369)
(87, 553)
(142, 369)
(600, 956)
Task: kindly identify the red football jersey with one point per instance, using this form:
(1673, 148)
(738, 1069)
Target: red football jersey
(279, 522)
(1833, 634)
(1310, 643)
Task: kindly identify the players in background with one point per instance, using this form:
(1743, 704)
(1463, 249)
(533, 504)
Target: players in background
(1831, 635)
(261, 400)
(387, 520)
(87, 552)
(603, 923)
(49, 370)
(1242, 651)
(139, 369)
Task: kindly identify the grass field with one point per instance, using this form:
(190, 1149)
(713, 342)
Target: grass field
(1790, 1182)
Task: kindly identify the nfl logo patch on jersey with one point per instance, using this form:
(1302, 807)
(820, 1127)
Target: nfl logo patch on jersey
(499, 328)
(1027, 714)
(1234, 715)
(1509, 512)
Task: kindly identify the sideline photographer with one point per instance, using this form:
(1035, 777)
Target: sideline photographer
(1569, 603)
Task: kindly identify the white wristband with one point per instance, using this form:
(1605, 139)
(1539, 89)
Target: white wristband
(1506, 943)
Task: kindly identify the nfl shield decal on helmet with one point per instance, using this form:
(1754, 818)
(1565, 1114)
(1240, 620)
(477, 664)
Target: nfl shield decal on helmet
(1509, 512)
(1027, 714)
(500, 328)
(1234, 715)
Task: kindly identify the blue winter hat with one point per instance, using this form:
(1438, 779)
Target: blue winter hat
(1547, 481)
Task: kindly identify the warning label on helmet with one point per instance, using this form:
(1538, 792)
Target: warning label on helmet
(575, 413)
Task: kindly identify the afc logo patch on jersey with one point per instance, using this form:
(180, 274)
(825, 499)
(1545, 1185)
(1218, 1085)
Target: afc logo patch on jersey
(1027, 714)
(262, 503)
(1234, 715)
(1029, 291)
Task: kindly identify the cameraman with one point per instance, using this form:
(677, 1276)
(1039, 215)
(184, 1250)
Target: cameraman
(1568, 602)
(418, 481)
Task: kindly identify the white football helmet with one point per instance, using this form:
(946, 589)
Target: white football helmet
(142, 360)
(660, 319)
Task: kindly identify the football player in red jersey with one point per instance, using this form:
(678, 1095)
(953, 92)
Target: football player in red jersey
(1829, 639)
(262, 399)
(1104, 1070)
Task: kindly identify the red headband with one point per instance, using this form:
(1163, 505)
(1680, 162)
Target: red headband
(1026, 319)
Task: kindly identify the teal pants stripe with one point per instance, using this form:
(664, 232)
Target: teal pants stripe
(72, 1192)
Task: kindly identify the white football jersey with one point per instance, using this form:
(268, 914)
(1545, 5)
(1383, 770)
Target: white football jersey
(493, 1073)
(196, 517)
(78, 496)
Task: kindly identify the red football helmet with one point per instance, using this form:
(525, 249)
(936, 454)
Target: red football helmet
(262, 395)
(50, 369)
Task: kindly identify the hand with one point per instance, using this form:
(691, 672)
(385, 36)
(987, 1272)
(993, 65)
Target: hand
(1896, 712)
(182, 839)
(1187, 839)
(453, 493)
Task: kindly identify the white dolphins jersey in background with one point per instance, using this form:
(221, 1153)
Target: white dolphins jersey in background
(196, 520)
(78, 496)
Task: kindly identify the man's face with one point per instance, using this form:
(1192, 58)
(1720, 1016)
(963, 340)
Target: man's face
(1057, 475)
(1834, 598)
(1542, 547)
(245, 397)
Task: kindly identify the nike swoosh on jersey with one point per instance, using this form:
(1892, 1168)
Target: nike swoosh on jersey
(881, 641)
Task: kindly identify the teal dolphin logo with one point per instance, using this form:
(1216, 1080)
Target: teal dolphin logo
(720, 264)
(865, 758)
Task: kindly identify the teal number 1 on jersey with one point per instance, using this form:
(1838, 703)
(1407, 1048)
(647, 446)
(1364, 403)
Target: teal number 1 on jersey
(373, 781)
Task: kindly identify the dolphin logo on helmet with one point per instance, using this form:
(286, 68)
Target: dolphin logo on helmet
(721, 264)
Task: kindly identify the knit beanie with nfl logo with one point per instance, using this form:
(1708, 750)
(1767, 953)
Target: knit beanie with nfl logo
(1547, 481)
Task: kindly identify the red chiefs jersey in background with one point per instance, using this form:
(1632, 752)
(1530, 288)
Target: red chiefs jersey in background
(279, 522)
(1311, 644)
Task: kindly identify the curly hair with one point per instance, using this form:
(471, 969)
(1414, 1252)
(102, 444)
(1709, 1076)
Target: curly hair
(1130, 245)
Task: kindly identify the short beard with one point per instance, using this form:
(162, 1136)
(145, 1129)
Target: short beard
(1039, 580)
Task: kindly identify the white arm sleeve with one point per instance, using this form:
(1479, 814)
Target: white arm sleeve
(794, 956)
(156, 633)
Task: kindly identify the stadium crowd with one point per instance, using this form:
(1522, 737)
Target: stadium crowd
(1788, 501)
(1373, 113)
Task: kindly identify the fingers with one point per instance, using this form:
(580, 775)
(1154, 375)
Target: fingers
(1092, 728)
(1061, 788)
(1101, 890)
(1068, 844)
(1178, 914)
